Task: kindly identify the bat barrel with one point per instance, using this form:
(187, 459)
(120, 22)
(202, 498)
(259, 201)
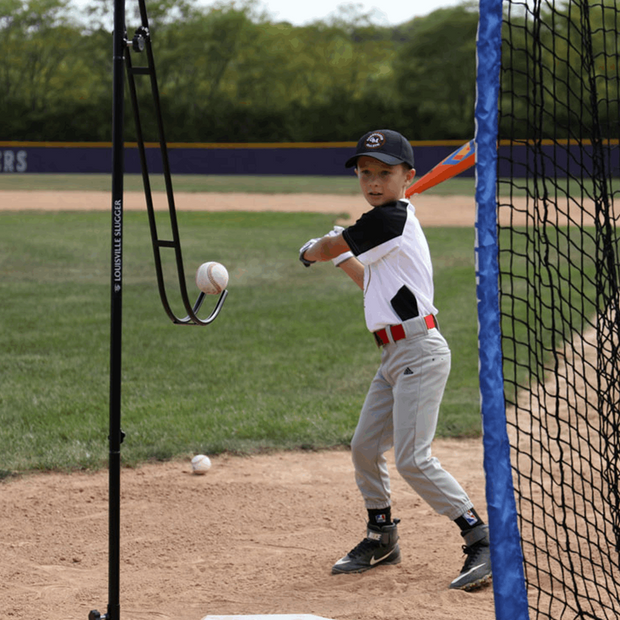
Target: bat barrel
(463, 158)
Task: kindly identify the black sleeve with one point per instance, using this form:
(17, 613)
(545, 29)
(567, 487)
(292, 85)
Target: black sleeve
(376, 227)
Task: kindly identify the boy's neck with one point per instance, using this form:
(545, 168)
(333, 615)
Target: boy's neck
(391, 202)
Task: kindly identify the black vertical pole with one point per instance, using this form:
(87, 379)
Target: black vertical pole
(116, 436)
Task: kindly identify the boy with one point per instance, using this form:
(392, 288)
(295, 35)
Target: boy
(386, 254)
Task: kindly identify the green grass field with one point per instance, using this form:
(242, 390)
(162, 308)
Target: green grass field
(285, 366)
(342, 185)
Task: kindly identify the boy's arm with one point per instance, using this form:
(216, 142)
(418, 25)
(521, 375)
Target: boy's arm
(326, 248)
(354, 269)
(330, 247)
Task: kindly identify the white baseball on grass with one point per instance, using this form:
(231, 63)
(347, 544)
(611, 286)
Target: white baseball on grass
(201, 464)
(212, 278)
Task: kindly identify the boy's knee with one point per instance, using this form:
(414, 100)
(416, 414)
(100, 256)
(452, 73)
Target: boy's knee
(413, 468)
(406, 471)
(357, 450)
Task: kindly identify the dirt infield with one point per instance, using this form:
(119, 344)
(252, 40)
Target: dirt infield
(255, 535)
(432, 211)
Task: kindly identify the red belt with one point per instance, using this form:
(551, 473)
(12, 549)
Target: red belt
(398, 331)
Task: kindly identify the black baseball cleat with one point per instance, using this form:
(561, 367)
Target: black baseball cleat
(477, 569)
(379, 547)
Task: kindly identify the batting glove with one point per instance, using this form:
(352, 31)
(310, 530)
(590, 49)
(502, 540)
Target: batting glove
(302, 251)
(335, 232)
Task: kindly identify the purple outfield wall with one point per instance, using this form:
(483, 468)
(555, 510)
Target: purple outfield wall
(321, 159)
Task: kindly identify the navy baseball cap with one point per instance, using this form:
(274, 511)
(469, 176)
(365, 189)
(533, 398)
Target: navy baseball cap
(386, 145)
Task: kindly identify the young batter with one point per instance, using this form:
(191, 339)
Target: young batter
(386, 254)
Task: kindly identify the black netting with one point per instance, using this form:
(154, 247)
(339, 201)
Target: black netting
(559, 279)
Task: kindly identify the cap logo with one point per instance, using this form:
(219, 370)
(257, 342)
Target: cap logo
(375, 140)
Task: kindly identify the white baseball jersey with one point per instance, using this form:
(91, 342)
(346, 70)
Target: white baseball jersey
(398, 273)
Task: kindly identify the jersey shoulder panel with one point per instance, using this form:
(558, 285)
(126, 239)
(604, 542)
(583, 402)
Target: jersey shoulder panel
(378, 226)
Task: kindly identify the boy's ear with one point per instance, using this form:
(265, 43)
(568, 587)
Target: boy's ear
(410, 175)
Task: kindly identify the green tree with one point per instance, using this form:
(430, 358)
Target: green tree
(44, 79)
(35, 43)
(436, 73)
(560, 71)
(230, 73)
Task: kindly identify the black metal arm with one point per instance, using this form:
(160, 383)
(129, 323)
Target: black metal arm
(142, 42)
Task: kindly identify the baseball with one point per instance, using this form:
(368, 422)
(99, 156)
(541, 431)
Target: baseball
(212, 278)
(201, 464)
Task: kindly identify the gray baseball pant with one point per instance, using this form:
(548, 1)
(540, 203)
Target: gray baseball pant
(401, 411)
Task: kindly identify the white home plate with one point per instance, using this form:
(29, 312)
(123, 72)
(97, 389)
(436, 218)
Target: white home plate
(267, 617)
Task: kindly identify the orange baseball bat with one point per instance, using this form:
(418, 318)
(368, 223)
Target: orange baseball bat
(464, 157)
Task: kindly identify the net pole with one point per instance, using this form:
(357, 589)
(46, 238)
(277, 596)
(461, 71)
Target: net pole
(116, 294)
(509, 590)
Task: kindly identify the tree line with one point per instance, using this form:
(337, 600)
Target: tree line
(229, 72)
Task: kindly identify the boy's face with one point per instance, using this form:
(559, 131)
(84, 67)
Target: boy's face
(382, 183)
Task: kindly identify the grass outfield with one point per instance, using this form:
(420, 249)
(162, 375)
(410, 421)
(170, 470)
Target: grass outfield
(259, 184)
(263, 184)
(285, 366)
